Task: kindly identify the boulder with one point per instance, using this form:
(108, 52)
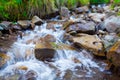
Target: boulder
(5, 25)
(112, 24)
(3, 60)
(49, 38)
(36, 21)
(82, 27)
(113, 54)
(81, 9)
(16, 27)
(109, 40)
(30, 75)
(97, 17)
(24, 24)
(89, 42)
(64, 13)
(44, 51)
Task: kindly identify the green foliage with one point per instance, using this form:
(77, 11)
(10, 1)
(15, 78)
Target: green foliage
(25, 9)
(84, 2)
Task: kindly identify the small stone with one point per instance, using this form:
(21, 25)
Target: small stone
(24, 24)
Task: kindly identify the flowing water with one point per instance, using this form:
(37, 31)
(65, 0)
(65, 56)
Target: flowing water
(22, 54)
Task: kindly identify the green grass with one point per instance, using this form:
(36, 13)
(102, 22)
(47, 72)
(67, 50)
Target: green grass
(25, 9)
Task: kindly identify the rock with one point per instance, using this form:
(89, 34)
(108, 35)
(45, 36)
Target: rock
(0, 33)
(64, 13)
(3, 60)
(112, 24)
(44, 51)
(97, 17)
(16, 27)
(62, 46)
(5, 25)
(30, 75)
(49, 38)
(90, 42)
(107, 8)
(111, 13)
(68, 75)
(81, 9)
(109, 40)
(100, 9)
(36, 21)
(114, 54)
(24, 24)
(22, 68)
(81, 27)
(50, 26)
(12, 77)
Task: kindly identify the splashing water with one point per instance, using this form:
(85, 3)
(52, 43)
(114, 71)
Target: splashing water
(22, 54)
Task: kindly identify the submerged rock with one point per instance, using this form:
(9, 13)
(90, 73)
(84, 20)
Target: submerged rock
(30, 75)
(24, 24)
(90, 42)
(3, 60)
(114, 54)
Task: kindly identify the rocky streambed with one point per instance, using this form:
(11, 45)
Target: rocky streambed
(82, 44)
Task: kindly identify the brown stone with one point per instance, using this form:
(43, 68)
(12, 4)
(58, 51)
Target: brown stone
(3, 59)
(24, 23)
(50, 26)
(64, 13)
(90, 42)
(44, 51)
(36, 21)
(114, 54)
(82, 27)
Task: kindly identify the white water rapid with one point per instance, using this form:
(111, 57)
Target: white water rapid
(22, 54)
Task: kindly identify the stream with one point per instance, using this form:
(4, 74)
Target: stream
(62, 68)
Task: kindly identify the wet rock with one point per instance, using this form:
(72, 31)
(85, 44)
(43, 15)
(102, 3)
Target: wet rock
(44, 51)
(64, 13)
(67, 24)
(30, 75)
(81, 27)
(97, 17)
(111, 13)
(112, 24)
(36, 21)
(12, 77)
(22, 68)
(5, 27)
(81, 9)
(114, 54)
(3, 60)
(68, 75)
(107, 8)
(90, 42)
(16, 27)
(50, 26)
(49, 38)
(62, 46)
(24, 23)
(109, 40)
